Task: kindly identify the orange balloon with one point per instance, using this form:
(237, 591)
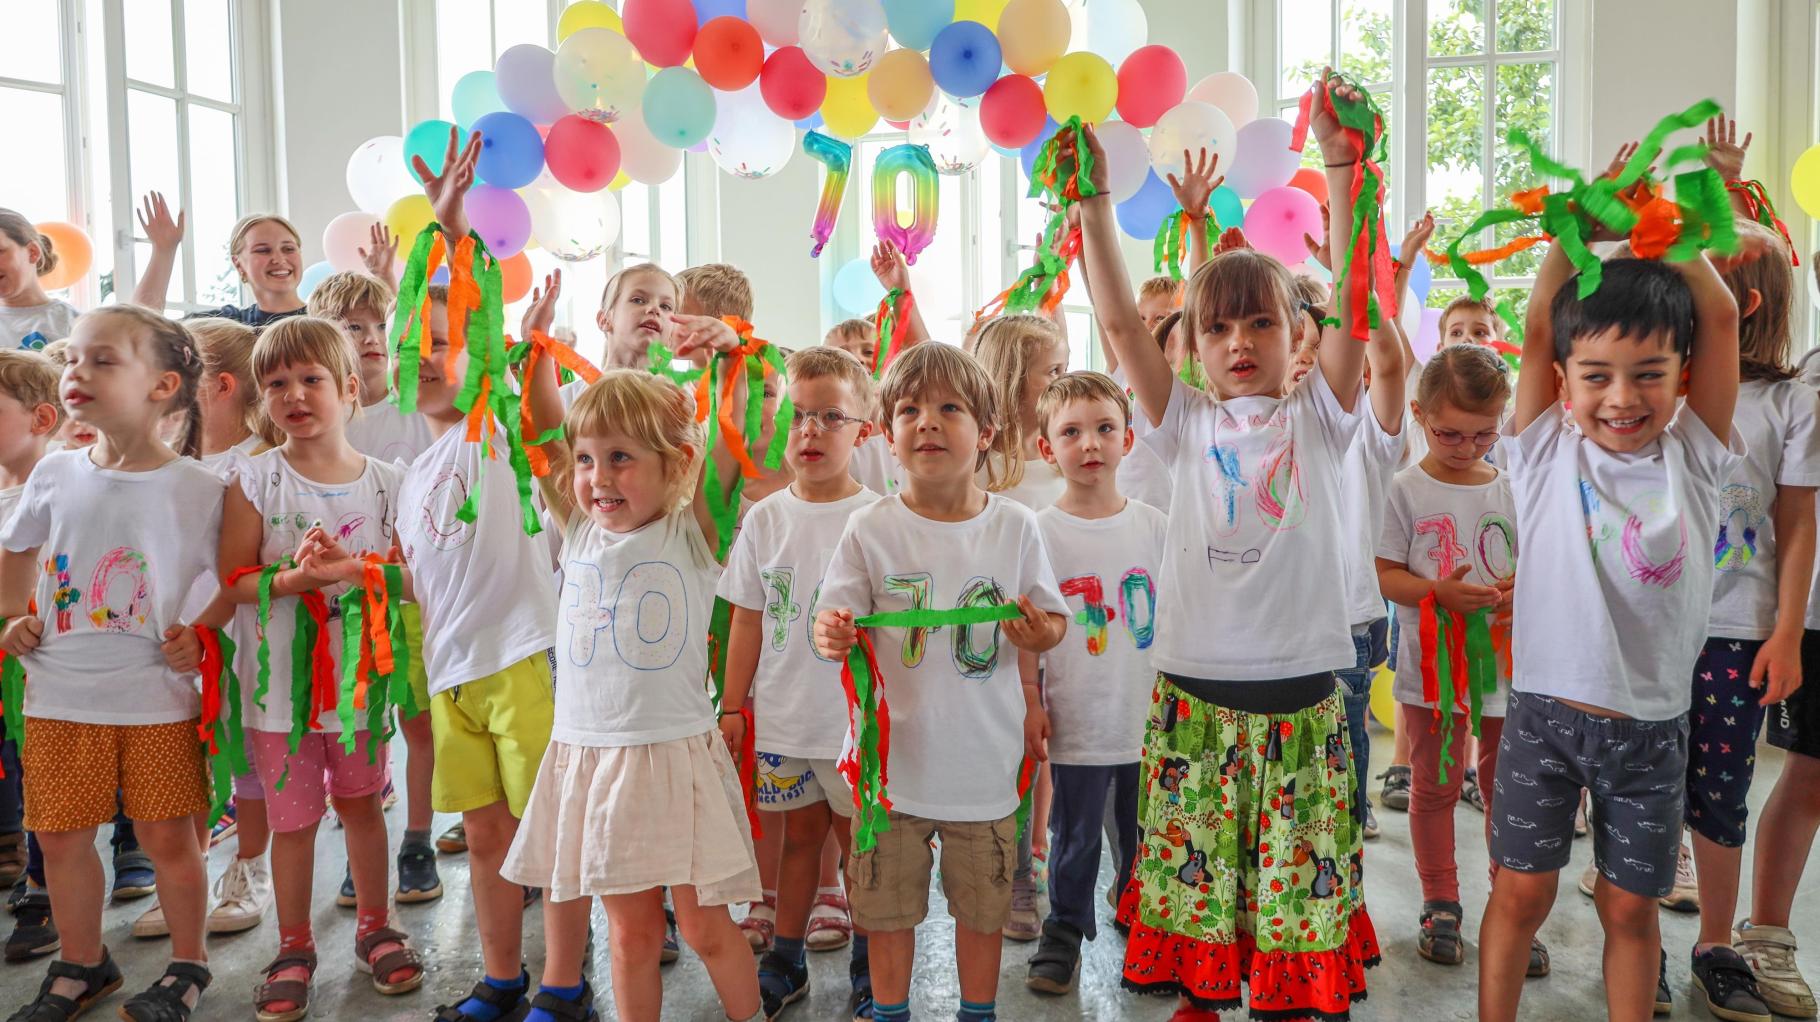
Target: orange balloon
(1311, 181)
(514, 278)
(74, 254)
(729, 54)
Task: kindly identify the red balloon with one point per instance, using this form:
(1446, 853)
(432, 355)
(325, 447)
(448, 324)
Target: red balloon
(728, 54)
(792, 85)
(1012, 111)
(582, 154)
(1151, 81)
(662, 30)
(1311, 181)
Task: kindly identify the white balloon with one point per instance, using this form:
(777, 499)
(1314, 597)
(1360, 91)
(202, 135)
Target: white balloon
(1115, 28)
(598, 74)
(641, 155)
(775, 20)
(1127, 159)
(747, 139)
(377, 176)
(951, 129)
(1190, 126)
(1263, 158)
(843, 37)
(572, 226)
(1232, 92)
(343, 239)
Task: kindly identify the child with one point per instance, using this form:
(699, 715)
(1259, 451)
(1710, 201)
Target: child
(715, 289)
(29, 318)
(637, 792)
(779, 559)
(958, 722)
(1157, 298)
(1595, 702)
(71, 433)
(635, 310)
(112, 703)
(1247, 771)
(1021, 354)
(276, 512)
(1107, 551)
(228, 396)
(1469, 320)
(266, 250)
(856, 337)
(1447, 534)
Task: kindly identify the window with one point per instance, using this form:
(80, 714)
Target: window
(43, 114)
(1354, 36)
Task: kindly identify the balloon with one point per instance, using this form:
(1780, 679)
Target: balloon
(407, 218)
(950, 128)
(899, 85)
(1190, 126)
(925, 199)
(514, 278)
(1011, 111)
(1263, 158)
(1141, 216)
(587, 14)
(749, 140)
(775, 20)
(1804, 180)
(663, 30)
(343, 239)
(1232, 92)
(791, 85)
(598, 74)
(377, 175)
(474, 97)
(1227, 209)
(1033, 34)
(1127, 159)
(582, 154)
(525, 78)
(856, 290)
(1116, 28)
(843, 37)
(847, 108)
(511, 150)
(499, 216)
(571, 226)
(1278, 219)
(811, 122)
(914, 23)
(1421, 278)
(708, 10)
(837, 157)
(641, 156)
(965, 59)
(679, 107)
(75, 254)
(1081, 85)
(729, 54)
(1151, 81)
(312, 276)
(986, 12)
(1383, 698)
(1311, 181)
(430, 140)
(1026, 157)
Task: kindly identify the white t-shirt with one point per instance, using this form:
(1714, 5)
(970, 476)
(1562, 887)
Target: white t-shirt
(1618, 625)
(1255, 535)
(632, 635)
(1775, 419)
(1364, 475)
(956, 701)
(485, 588)
(202, 591)
(1098, 681)
(359, 515)
(34, 326)
(779, 559)
(1433, 528)
(1810, 376)
(875, 467)
(119, 551)
(1041, 486)
(382, 431)
(1144, 476)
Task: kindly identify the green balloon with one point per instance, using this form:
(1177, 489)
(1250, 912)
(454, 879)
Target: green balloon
(678, 107)
(430, 140)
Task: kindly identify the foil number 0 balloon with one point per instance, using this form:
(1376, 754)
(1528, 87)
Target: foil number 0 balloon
(837, 157)
(887, 219)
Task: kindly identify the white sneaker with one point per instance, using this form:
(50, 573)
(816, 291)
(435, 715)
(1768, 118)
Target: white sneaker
(242, 894)
(1770, 952)
(151, 924)
(1589, 879)
(1686, 895)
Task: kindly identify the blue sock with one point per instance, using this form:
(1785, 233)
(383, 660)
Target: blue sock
(899, 1012)
(480, 1011)
(790, 948)
(973, 1011)
(570, 994)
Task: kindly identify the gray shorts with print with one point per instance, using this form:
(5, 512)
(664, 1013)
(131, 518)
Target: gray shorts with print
(1635, 770)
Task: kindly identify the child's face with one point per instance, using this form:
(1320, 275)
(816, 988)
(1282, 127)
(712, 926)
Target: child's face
(1308, 348)
(1175, 348)
(365, 329)
(1247, 356)
(436, 388)
(111, 380)
(73, 434)
(863, 347)
(23, 429)
(935, 436)
(1457, 438)
(1043, 369)
(1621, 388)
(1469, 326)
(619, 482)
(270, 258)
(816, 453)
(306, 400)
(1086, 440)
(18, 266)
(1153, 309)
(640, 314)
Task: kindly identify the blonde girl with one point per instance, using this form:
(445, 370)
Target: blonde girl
(266, 250)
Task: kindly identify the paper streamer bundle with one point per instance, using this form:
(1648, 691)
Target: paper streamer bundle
(1063, 176)
(1756, 199)
(375, 658)
(892, 323)
(1363, 270)
(1460, 661)
(12, 697)
(313, 686)
(219, 730)
(1172, 240)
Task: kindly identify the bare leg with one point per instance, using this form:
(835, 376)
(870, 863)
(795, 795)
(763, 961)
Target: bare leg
(636, 924)
(498, 902)
(72, 871)
(719, 944)
(1519, 904)
(419, 766)
(1633, 944)
(1785, 835)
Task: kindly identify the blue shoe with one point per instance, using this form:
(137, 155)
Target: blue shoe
(780, 983)
(133, 874)
(672, 945)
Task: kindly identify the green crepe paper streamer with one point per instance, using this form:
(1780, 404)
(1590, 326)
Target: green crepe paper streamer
(264, 684)
(406, 342)
(720, 627)
(660, 359)
(886, 327)
(1481, 664)
(1475, 280)
(12, 693)
(1166, 251)
(1706, 215)
(1444, 676)
(1034, 284)
(1191, 373)
(399, 692)
(723, 505)
(231, 761)
(1362, 115)
(303, 641)
(352, 613)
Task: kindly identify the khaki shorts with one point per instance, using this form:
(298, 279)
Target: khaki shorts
(888, 887)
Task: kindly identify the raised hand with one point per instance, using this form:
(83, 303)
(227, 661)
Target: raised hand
(1231, 239)
(1625, 152)
(155, 220)
(1724, 153)
(690, 334)
(1321, 249)
(381, 253)
(889, 267)
(1337, 149)
(1098, 176)
(1196, 183)
(447, 189)
(1417, 239)
(542, 311)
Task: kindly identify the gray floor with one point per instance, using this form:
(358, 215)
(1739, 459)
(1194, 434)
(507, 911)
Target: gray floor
(1404, 987)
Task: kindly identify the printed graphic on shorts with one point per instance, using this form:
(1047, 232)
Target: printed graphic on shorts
(64, 596)
(1652, 537)
(775, 787)
(120, 592)
(647, 618)
(1136, 609)
(447, 493)
(1741, 518)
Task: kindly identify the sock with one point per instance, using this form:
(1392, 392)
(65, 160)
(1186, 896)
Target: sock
(791, 948)
(570, 994)
(836, 891)
(416, 837)
(296, 938)
(480, 1011)
(369, 919)
(899, 1012)
(973, 1011)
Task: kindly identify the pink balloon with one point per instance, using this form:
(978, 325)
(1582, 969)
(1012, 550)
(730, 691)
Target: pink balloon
(662, 30)
(1277, 221)
(793, 87)
(501, 219)
(343, 239)
(582, 154)
(1012, 111)
(1151, 81)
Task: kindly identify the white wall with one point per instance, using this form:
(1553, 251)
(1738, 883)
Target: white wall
(1653, 58)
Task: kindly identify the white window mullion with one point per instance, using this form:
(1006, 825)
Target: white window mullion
(75, 137)
(180, 78)
(120, 173)
(1488, 119)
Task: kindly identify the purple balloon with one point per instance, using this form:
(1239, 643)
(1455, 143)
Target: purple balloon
(708, 10)
(1277, 221)
(501, 218)
(525, 78)
(1263, 159)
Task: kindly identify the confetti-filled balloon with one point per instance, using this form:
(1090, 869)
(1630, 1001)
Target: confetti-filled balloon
(377, 176)
(1190, 127)
(888, 221)
(571, 226)
(950, 129)
(748, 140)
(599, 75)
(843, 37)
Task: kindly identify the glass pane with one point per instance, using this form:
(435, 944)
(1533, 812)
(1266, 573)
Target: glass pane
(1456, 149)
(673, 224)
(148, 42)
(463, 44)
(1456, 27)
(1083, 352)
(35, 187)
(151, 123)
(208, 49)
(34, 49)
(1526, 25)
(214, 206)
(1525, 99)
(991, 226)
(515, 23)
(939, 268)
(99, 166)
(1365, 40)
(635, 223)
(1305, 43)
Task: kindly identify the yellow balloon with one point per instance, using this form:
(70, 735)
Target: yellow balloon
(408, 217)
(1804, 180)
(620, 180)
(1081, 85)
(587, 14)
(1383, 702)
(900, 85)
(847, 109)
(1033, 35)
(985, 12)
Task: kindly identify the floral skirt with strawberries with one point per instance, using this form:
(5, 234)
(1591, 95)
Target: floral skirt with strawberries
(1251, 871)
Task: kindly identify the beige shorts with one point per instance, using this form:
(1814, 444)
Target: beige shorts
(888, 887)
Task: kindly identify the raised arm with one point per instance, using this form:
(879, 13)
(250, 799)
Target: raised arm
(1725, 154)
(166, 235)
(1385, 354)
(544, 394)
(1192, 191)
(1712, 385)
(1415, 245)
(889, 267)
(447, 190)
(1342, 358)
(705, 334)
(1146, 370)
(1537, 388)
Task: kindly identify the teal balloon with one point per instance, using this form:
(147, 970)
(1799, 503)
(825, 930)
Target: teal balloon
(914, 23)
(475, 96)
(430, 140)
(678, 107)
(312, 276)
(1227, 208)
(856, 290)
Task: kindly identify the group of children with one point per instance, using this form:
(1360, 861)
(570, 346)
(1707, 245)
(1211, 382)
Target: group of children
(981, 606)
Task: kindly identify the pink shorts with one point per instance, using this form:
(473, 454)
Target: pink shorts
(318, 769)
(247, 786)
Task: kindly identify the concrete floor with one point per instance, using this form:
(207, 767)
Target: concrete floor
(1403, 987)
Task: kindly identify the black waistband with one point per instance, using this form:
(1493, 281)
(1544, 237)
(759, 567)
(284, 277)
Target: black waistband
(1283, 695)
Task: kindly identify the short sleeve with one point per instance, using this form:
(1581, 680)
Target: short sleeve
(848, 583)
(740, 583)
(1800, 444)
(1184, 403)
(30, 524)
(242, 474)
(1530, 448)
(1038, 573)
(1383, 450)
(1708, 460)
(1338, 426)
(1393, 538)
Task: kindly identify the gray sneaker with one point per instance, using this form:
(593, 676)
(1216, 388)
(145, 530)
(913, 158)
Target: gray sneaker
(1770, 953)
(1024, 923)
(1395, 794)
(1731, 991)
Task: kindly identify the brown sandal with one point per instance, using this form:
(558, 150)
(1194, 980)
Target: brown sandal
(401, 957)
(293, 991)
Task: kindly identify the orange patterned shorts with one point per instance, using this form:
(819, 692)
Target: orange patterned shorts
(72, 771)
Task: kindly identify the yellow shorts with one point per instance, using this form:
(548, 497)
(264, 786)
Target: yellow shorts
(490, 736)
(413, 641)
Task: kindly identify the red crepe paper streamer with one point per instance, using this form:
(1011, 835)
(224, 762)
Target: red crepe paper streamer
(1364, 270)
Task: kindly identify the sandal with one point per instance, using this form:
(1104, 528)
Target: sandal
(98, 981)
(579, 1010)
(505, 1002)
(760, 924)
(830, 924)
(295, 992)
(388, 964)
(1538, 958)
(163, 1002)
(859, 978)
(1441, 941)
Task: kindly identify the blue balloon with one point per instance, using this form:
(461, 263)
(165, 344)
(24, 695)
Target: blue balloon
(312, 276)
(964, 59)
(441, 276)
(811, 122)
(511, 150)
(856, 290)
(1227, 208)
(1002, 151)
(1421, 278)
(915, 23)
(708, 10)
(1141, 216)
(1027, 155)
